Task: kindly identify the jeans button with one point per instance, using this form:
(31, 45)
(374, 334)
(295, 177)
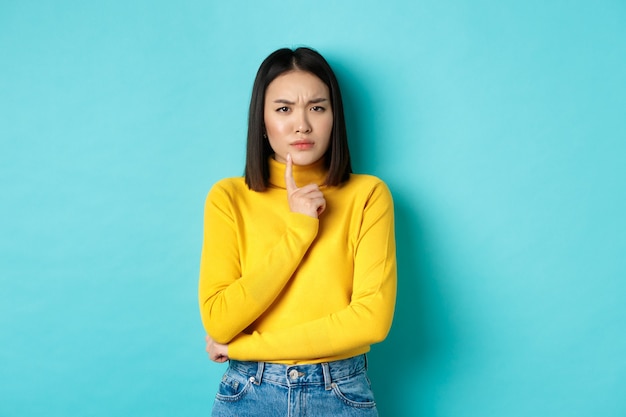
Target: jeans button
(293, 374)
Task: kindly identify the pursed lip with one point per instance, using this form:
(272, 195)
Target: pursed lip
(302, 142)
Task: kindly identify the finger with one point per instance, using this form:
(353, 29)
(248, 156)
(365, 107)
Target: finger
(315, 196)
(319, 204)
(321, 208)
(290, 183)
(218, 357)
(308, 192)
(309, 188)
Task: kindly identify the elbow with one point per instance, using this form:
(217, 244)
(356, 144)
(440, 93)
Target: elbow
(380, 326)
(379, 333)
(375, 321)
(220, 336)
(214, 326)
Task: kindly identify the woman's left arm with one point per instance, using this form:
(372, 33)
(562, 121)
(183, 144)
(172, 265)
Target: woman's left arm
(365, 321)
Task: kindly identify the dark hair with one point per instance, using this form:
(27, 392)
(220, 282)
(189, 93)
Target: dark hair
(258, 151)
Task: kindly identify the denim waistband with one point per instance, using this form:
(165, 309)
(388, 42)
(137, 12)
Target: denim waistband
(309, 374)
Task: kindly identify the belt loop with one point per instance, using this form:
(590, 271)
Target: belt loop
(259, 373)
(327, 379)
(365, 357)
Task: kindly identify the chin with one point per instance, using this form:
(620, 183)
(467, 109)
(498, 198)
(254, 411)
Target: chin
(305, 160)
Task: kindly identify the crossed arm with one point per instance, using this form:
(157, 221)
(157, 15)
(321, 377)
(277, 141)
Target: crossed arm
(364, 321)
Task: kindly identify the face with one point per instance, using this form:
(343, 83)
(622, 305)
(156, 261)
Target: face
(298, 117)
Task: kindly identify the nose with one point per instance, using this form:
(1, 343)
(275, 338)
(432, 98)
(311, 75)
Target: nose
(302, 124)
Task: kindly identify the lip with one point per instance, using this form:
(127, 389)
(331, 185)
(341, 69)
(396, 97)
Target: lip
(303, 144)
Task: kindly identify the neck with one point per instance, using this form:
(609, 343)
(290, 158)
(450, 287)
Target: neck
(303, 175)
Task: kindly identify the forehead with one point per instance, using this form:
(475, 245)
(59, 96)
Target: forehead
(297, 83)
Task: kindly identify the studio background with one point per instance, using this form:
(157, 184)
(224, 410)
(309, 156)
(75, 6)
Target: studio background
(499, 126)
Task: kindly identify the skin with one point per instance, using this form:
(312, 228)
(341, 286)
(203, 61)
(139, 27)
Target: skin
(298, 117)
(298, 121)
(217, 351)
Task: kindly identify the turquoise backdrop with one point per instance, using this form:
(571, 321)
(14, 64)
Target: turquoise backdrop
(500, 127)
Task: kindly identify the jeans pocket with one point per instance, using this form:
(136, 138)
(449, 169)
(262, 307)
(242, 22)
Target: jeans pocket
(355, 391)
(234, 386)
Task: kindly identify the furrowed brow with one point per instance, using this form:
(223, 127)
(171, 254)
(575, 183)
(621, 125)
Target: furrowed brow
(313, 101)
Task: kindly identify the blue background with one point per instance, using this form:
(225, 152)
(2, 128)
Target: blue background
(499, 126)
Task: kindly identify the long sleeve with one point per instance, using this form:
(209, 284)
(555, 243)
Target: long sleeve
(233, 295)
(365, 320)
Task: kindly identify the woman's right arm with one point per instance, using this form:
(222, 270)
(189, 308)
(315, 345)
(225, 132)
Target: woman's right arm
(229, 300)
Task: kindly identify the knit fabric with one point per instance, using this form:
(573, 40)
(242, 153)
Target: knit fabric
(284, 287)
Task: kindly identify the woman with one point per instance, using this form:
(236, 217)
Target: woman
(298, 267)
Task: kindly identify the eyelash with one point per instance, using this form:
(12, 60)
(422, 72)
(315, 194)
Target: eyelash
(285, 109)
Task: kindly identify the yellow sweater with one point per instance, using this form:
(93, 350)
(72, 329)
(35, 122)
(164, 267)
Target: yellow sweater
(284, 287)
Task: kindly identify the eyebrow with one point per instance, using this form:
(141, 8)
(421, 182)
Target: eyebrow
(313, 101)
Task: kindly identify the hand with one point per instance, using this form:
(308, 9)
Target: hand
(217, 351)
(307, 200)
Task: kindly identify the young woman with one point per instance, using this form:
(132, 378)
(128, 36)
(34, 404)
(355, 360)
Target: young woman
(298, 266)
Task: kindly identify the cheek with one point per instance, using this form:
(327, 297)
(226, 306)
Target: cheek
(273, 126)
(274, 145)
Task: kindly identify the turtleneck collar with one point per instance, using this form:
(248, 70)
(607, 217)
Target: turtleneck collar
(303, 175)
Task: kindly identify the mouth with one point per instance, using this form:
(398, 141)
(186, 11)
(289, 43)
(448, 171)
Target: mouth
(303, 144)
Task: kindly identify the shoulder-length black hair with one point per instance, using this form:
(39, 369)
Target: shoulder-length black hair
(336, 158)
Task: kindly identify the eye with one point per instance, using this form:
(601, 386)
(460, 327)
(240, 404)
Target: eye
(283, 109)
(318, 108)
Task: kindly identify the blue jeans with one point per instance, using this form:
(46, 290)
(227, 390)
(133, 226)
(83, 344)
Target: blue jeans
(337, 389)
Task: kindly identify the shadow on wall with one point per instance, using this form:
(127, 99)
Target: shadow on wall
(419, 332)
(398, 364)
